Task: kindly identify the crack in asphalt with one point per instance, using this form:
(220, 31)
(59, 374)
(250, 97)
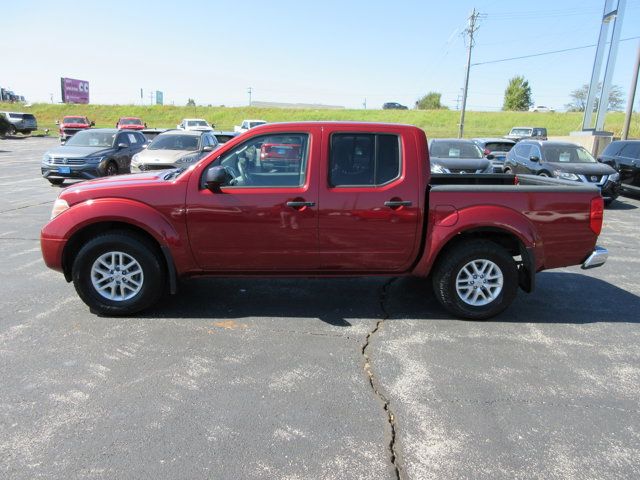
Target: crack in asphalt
(374, 383)
(49, 202)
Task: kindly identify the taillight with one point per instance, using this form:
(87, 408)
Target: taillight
(596, 215)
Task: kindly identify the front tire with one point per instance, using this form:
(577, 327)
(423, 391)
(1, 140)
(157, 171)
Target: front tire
(118, 273)
(56, 181)
(111, 169)
(476, 280)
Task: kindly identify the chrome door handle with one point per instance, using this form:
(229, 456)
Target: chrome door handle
(398, 203)
(301, 204)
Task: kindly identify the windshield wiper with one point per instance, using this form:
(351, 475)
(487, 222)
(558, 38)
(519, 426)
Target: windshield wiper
(174, 173)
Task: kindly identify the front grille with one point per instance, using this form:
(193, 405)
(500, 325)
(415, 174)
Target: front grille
(146, 167)
(593, 178)
(67, 161)
(465, 170)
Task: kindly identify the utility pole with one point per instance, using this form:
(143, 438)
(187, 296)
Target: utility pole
(249, 90)
(632, 97)
(470, 30)
(364, 104)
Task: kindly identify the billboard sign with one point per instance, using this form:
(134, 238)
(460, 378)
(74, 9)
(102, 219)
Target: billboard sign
(74, 91)
(159, 98)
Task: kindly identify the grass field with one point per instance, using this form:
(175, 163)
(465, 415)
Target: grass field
(437, 123)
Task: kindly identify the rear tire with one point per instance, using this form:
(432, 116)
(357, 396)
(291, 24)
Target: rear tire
(12, 130)
(118, 273)
(476, 266)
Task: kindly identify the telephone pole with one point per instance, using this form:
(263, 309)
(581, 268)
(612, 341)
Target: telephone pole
(632, 97)
(470, 30)
(249, 90)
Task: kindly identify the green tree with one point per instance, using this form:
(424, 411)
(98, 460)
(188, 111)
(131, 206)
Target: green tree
(517, 96)
(191, 102)
(431, 101)
(579, 98)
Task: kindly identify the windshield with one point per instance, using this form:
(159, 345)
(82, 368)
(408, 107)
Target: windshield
(74, 120)
(521, 131)
(455, 150)
(197, 123)
(89, 138)
(567, 154)
(174, 142)
(130, 121)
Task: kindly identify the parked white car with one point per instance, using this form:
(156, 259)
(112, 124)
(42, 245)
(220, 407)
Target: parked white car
(248, 124)
(196, 124)
(541, 108)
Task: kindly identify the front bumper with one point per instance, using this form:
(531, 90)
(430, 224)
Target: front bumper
(611, 190)
(597, 258)
(87, 171)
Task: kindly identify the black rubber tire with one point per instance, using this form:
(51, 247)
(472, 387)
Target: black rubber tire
(56, 181)
(507, 171)
(139, 248)
(12, 130)
(544, 174)
(446, 272)
(111, 169)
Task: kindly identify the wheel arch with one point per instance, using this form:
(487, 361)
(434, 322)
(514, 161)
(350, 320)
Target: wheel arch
(506, 239)
(82, 235)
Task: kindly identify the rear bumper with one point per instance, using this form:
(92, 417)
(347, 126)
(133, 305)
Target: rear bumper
(597, 258)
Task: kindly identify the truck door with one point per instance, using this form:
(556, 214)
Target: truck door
(266, 218)
(369, 202)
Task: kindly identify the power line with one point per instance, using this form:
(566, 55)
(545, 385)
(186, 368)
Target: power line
(546, 53)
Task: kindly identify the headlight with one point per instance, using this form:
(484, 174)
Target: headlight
(59, 206)
(93, 159)
(192, 157)
(136, 158)
(46, 158)
(614, 177)
(436, 168)
(566, 175)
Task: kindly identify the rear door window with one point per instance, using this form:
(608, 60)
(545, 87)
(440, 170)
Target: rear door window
(363, 159)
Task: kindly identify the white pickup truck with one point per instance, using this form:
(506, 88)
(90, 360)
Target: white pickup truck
(247, 124)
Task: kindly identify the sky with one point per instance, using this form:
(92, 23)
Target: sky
(336, 52)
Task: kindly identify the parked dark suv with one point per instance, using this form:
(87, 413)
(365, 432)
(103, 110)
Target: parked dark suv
(563, 160)
(92, 153)
(624, 156)
(393, 106)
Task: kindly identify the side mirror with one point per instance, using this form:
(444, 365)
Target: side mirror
(122, 145)
(216, 177)
(207, 148)
(93, 124)
(491, 156)
(145, 145)
(534, 158)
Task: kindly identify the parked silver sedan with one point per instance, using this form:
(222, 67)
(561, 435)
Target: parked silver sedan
(174, 148)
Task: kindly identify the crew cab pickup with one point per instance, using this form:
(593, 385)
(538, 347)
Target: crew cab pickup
(360, 202)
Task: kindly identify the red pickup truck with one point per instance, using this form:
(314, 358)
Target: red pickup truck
(72, 124)
(361, 202)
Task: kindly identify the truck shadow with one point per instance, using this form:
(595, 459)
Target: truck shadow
(560, 297)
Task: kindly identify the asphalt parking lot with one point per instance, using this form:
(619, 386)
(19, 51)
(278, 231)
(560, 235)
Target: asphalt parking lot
(313, 379)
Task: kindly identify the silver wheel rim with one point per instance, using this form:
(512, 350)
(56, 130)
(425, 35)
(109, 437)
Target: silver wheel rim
(479, 282)
(117, 276)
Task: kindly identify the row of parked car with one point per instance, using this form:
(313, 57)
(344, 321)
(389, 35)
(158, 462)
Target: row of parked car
(131, 147)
